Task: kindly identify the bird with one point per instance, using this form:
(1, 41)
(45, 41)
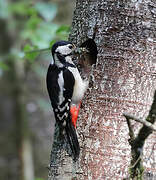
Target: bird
(66, 90)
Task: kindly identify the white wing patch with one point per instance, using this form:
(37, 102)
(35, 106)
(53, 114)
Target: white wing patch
(61, 86)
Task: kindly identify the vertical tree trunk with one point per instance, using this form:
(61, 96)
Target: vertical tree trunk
(123, 81)
(23, 141)
(16, 86)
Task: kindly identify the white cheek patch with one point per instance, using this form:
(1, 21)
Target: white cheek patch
(65, 50)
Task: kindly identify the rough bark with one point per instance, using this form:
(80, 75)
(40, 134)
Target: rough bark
(123, 81)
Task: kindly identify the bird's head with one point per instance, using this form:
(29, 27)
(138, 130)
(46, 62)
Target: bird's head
(62, 52)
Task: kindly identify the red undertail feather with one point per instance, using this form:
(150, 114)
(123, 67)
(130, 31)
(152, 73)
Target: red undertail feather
(74, 111)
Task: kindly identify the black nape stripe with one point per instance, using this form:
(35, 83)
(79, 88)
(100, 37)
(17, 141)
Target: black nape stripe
(67, 64)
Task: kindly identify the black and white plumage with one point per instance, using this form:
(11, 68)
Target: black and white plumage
(65, 87)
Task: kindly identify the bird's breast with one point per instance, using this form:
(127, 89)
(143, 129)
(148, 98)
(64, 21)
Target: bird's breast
(80, 86)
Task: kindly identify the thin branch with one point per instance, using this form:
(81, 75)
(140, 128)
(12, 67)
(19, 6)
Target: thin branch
(131, 132)
(137, 143)
(139, 158)
(146, 123)
(147, 159)
(37, 50)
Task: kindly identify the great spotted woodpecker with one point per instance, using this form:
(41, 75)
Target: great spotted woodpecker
(66, 90)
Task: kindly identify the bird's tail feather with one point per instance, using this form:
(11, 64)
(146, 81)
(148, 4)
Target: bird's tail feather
(73, 140)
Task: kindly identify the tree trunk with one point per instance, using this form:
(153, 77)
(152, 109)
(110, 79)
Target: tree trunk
(23, 142)
(124, 80)
(15, 85)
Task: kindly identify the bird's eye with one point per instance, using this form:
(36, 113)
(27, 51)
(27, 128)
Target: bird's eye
(70, 46)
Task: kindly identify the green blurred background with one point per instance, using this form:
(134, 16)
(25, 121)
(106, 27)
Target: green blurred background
(27, 29)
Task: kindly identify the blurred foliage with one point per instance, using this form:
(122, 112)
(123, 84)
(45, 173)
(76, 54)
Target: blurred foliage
(35, 27)
(39, 179)
(4, 66)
